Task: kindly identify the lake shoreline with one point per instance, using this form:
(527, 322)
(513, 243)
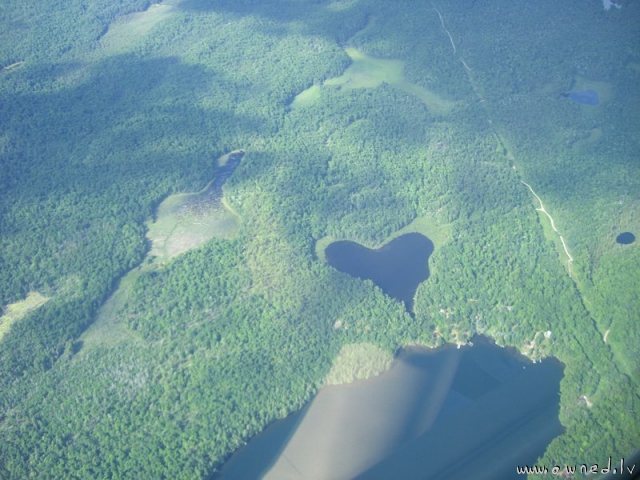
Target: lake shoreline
(349, 429)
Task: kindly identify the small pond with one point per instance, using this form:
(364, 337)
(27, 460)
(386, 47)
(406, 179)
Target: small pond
(586, 97)
(626, 238)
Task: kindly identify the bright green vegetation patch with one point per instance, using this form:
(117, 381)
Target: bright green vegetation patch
(341, 5)
(307, 98)
(438, 233)
(370, 72)
(433, 101)
(358, 361)
(321, 246)
(18, 310)
(183, 223)
(129, 28)
(109, 329)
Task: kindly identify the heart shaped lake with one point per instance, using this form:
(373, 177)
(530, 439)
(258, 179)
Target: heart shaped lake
(397, 267)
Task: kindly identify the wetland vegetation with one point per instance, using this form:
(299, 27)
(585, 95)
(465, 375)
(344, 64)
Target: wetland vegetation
(182, 222)
(421, 118)
(185, 221)
(370, 72)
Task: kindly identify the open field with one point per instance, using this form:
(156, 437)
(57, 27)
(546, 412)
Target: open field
(358, 361)
(186, 221)
(307, 97)
(125, 30)
(437, 233)
(370, 72)
(108, 329)
(183, 221)
(16, 311)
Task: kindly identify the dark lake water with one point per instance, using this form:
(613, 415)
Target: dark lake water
(212, 196)
(223, 172)
(626, 238)
(397, 268)
(474, 412)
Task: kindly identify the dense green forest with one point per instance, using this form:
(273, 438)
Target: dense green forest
(107, 108)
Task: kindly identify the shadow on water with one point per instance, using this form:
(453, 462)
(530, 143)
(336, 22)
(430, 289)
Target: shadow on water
(261, 453)
(476, 412)
(211, 197)
(507, 417)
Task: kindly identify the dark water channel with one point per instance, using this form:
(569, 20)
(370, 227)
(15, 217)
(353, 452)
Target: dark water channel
(397, 268)
(474, 412)
(212, 196)
(223, 172)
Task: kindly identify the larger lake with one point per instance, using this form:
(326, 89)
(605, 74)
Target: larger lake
(474, 412)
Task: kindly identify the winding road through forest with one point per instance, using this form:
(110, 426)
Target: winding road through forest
(553, 225)
(510, 155)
